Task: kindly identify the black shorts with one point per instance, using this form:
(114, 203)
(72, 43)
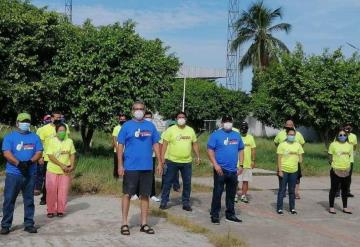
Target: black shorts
(137, 182)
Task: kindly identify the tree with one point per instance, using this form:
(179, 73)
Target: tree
(319, 91)
(256, 26)
(103, 70)
(204, 100)
(29, 39)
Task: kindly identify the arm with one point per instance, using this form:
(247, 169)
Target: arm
(253, 157)
(241, 162)
(114, 141)
(72, 162)
(217, 168)
(196, 148)
(56, 162)
(159, 168)
(279, 157)
(36, 157)
(11, 158)
(119, 152)
(163, 150)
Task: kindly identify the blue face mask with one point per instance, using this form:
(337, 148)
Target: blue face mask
(290, 138)
(24, 126)
(342, 138)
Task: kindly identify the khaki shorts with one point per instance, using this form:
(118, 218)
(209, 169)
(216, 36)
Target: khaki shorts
(246, 175)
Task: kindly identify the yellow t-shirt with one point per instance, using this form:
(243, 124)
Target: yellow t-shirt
(179, 143)
(353, 141)
(62, 150)
(281, 137)
(249, 143)
(46, 133)
(341, 155)
(290, 153)
(115, 133)
(161, 142)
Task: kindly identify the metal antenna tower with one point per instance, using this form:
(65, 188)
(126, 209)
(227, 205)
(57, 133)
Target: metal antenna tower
(233, 79)
(68, 10)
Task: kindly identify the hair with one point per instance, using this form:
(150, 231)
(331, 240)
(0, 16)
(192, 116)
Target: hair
(148, 113)
(290, 129)
(138, 102)
(180, 112)
(342, 128)
(56, 112)
(57, 127)
(122, 114)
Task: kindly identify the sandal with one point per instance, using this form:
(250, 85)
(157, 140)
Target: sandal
(50, 215)
(147, 229)
(124, 230)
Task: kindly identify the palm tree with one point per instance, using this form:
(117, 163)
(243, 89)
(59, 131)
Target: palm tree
(255, 25)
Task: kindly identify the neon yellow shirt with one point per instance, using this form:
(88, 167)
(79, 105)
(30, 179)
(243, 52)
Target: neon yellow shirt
(341, 155)
(249, 143)
(62, 150)
(161, 142)
(115, 133)
(353, 141)
(180, 142)
(290, 156)
(281, 137)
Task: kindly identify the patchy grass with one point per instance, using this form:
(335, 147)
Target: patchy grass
(218, 240)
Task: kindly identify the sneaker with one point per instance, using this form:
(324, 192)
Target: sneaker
(350, 195)
(4, 231)
(293, 211)
(30, 229)
(42, 202)
(187, 208)
(236, 198)
(244, 199)
(233, 219)
(163, 207)
(60, 215)
(215, 221)
(134, 198)
(50, 215)
(155, 199)
(280, 212)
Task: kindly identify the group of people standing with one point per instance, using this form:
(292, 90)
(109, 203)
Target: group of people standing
(43, 163)
(39, 163)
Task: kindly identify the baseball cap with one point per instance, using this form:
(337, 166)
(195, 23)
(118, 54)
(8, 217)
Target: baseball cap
(23, 116)
(226, 118)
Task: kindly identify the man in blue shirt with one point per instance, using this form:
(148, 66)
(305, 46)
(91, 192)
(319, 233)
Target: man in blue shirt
(22, 149)
(225, 148)
(136, 141)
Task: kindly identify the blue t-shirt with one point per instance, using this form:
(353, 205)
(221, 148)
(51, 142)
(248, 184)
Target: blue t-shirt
(138, 139)
(226, 146)
(23, 147)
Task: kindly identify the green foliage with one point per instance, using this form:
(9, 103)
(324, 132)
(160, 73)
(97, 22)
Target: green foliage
(204, 100)
(319, 91)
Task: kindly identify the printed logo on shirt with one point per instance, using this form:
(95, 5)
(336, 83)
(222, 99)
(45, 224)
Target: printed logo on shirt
(142, 133)
(343, 153)
(30, 146)
(19, 146)
(181, 137)
(230, 142)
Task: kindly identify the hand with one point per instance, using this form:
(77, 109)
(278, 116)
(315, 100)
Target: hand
(159, 170)
(65, 168)
(240, 170)
(121, 171)
(281, 174)
(198, 161)
(218, 170)
(23, 167)
(253, 165)
(41, 161)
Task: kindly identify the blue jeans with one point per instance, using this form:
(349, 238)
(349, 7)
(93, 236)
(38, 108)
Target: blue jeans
(176, 183)
(290, 180)
(13, 185)
(229, 179)
(173, 169)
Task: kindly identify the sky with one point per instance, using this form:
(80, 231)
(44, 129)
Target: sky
(196, 30)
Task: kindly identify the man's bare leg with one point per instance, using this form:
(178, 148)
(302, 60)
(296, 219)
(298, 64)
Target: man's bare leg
(144, 207)
(125, 208)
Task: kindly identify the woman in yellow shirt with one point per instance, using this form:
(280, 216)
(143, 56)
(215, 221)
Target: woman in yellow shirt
(289, 159)
(61, 152)
(340, 152)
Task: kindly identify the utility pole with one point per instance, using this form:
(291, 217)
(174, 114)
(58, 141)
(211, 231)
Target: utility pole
(68, 10)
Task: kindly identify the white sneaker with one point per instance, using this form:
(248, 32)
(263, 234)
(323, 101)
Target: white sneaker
(155, 199)
(134, 197)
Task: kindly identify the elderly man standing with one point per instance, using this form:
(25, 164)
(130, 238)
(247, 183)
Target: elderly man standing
(22, 149)
(282, 137)
(225, 148)
(136, 141)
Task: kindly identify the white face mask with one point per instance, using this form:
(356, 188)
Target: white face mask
(181, 121)
(138, 114)
(148, 119)
(228, 125)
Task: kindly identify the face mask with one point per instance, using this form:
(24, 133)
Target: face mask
(342, 138)
(24, 126)
(228, 125)
(56, 122)
(61, 135)
(148, 119)
(244, 131)
(290, 138)
(121, 122)
(181, 121)
(138, 114)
